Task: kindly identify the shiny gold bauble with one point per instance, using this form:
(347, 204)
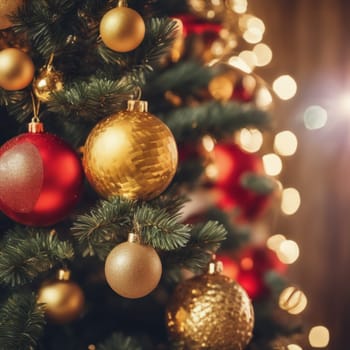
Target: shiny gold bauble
(16, 69)
(64, 301)
(133, 270)
(47, 82)
(8, 7)
(131, 153)
(122, 29)
(210, 311)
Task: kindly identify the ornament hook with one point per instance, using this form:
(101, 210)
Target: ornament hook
(138, 93)
(35, 126)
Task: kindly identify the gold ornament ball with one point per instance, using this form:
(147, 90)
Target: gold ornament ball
(16, 69)
(48, 81)
(210, 311)
(133, 270)
(131, 154)
(64, 301)
(122, 29)
(8, 7)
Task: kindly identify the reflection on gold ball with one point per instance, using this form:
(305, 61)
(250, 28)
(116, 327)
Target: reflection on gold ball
(64, 301)
(131, 154)
(16, 69)
(133, 270)
(48, 81)
(122, 29)
(8, 7)
(210, 311)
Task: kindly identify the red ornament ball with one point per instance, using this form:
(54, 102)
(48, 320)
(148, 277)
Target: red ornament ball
(253, 263)
(40, 179)
(232, 165)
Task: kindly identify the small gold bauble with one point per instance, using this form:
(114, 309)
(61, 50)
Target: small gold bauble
(122, 29)
(49, 80)
(8, 7)
(133, 270)
(16, 69)
(131, 153)
(221, 88)
(210, 311)
(64, 301)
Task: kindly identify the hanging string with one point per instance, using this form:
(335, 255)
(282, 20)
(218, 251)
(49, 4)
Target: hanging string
(36, 107)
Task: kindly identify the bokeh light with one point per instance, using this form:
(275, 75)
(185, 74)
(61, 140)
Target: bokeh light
(319, 337)
(249, 57)
(294, 347)
(286, 143)
(275, 241)
(250, 140)
(290, 201)
(263, 54)
(315, 117)
(208, 143)
(272, 164)
(237, 62)
(288, 252)
(263, 98)
(292, 300)
(253, 35)
(239, 6)
(285, 87)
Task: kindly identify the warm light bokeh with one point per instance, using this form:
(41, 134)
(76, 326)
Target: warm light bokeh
(319, 337)
(285, 87)
(272, 164)
(291, 201)
(286, 143)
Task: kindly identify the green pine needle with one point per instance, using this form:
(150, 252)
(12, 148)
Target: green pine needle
(214, 118)
(21, 322)
(159, 229)
(30, 253)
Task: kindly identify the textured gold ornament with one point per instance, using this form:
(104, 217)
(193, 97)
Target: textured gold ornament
(133, 270)
(131, 153)
(8, 7)
(122, 29)
(63, 299)
(49, 80)
(16, 69)
(210, 311)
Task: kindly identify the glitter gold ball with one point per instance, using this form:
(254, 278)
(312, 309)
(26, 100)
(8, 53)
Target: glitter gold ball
(64, 301)
(133, 270)
(210, 311)
(122, 29)
(48, 81)
(16, 69)
(8, 7)
(131, 154)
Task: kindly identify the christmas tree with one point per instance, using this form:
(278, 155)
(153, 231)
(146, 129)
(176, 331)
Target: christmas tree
(100, 247)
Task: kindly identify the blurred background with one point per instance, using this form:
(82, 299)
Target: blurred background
(310, 42)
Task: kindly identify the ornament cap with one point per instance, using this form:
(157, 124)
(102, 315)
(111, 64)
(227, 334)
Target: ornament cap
(215, 267)
(122, 3)
(63, 275)
(35, 126)
(133, 238)
(137, 106)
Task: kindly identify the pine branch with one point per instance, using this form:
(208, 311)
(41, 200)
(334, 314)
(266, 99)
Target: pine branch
(48, 24)
(183, 78)
(214, 118)
(259, 184)
(21, 322)
(111, 220)
(120, 342)
(109, 223)
(90, 101)
(18, 104)
(27, 253)
(159, 229)
(205, 240)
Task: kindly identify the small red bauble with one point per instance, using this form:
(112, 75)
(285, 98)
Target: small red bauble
(40, 179)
